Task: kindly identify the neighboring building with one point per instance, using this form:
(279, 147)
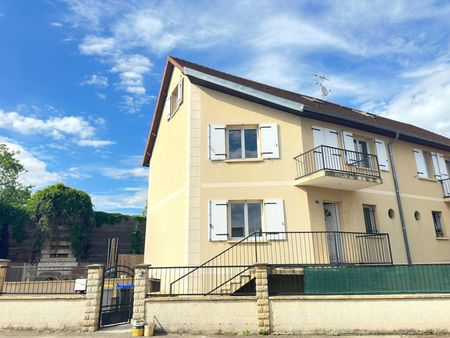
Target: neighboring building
(229, 156)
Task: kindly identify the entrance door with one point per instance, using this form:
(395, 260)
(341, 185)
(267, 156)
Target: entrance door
(333, 235)
(117, 296)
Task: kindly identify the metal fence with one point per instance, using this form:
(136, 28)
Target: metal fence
(391, 279)
(33, 279)
(227, 271)
(203, 280)
(337, 160)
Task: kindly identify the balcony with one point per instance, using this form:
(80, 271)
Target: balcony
(335, 168)
(446, 189)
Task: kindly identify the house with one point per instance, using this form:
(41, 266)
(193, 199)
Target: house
(233, 161)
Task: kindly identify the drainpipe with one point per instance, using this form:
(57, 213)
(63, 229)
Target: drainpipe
(397, 194)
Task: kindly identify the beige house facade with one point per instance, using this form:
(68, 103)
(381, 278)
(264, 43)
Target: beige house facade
(229, 157)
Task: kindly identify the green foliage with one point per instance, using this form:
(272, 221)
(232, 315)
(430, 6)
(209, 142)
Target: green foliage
(57, 207)
(137, 242)
(108, 218)
(12, 219)
(13, 196)
(102, 217)
(11, 190)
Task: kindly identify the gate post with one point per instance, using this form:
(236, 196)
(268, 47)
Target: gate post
(3, 268)
(141, 286)
(93, 297)
(262, 298)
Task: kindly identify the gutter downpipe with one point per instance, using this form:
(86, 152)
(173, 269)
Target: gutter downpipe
(397, 194)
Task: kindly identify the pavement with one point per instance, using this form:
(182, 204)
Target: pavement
(125, 331)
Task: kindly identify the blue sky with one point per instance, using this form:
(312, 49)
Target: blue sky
(78, 79)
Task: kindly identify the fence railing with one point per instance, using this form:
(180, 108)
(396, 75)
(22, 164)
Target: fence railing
(337, 160)
(284, 248)
(446, 187)
(390, 279)
(205, 280)
(32, 279)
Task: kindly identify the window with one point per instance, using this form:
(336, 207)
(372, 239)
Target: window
(424, 163)
(174, 100)
(437, 221)
(242, 143)
(369, 219)
(362, 147)
(245, 218)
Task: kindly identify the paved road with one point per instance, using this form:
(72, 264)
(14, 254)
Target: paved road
(125, 331)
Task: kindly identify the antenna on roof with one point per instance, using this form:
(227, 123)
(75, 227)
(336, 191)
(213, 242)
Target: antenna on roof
(319, 81)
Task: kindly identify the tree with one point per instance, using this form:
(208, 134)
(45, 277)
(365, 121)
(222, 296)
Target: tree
(59, 207)
(12, 191)
(13, 196)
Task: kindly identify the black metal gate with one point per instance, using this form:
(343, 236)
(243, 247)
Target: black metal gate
(116, 305)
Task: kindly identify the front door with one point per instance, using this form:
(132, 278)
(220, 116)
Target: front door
(333, 235)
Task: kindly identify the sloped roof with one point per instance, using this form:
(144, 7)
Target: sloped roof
(313, 108)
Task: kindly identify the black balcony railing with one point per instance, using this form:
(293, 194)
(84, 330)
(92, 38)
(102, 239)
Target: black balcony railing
(227, 271)
(446, 187)
(337, 160)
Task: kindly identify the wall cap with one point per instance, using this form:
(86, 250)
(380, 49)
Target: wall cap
(142, 266)
(95, 266)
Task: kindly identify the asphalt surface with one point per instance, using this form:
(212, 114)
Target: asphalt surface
(125, 331)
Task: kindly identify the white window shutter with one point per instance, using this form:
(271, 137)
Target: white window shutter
(347, 140)
(437, 172)
(167, 107)
(180, 92)
(218, 223)
(383, 160)
(318, 136)
(274, 215)
(269, 141)
(422, 170)
(442, 166)
(216, 146)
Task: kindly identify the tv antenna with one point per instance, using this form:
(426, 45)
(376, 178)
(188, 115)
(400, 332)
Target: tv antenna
(319, 81)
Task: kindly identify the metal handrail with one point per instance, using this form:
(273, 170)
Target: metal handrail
(298, 247)
(335, 159)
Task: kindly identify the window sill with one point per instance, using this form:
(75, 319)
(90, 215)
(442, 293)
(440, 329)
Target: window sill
(249, 241)
(426, 179)
(239, 160)
(442, 238)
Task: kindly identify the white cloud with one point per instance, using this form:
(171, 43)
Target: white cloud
(96, 80)
(94, 143)
(131, 70)
(37, 173)
(120, 173)
(97, 45)
(101, 96)
(75, 127)
(118, 201)
(425, 103)
(56, 24)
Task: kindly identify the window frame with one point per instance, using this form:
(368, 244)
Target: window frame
(356, 143)
(242, 130)
(246, 220)
(440, 233)
(373, 219)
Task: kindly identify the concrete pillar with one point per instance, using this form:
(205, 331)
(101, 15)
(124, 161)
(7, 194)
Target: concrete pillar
(93, 297)
(141, 287)
(3, 268)
(262, 298)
